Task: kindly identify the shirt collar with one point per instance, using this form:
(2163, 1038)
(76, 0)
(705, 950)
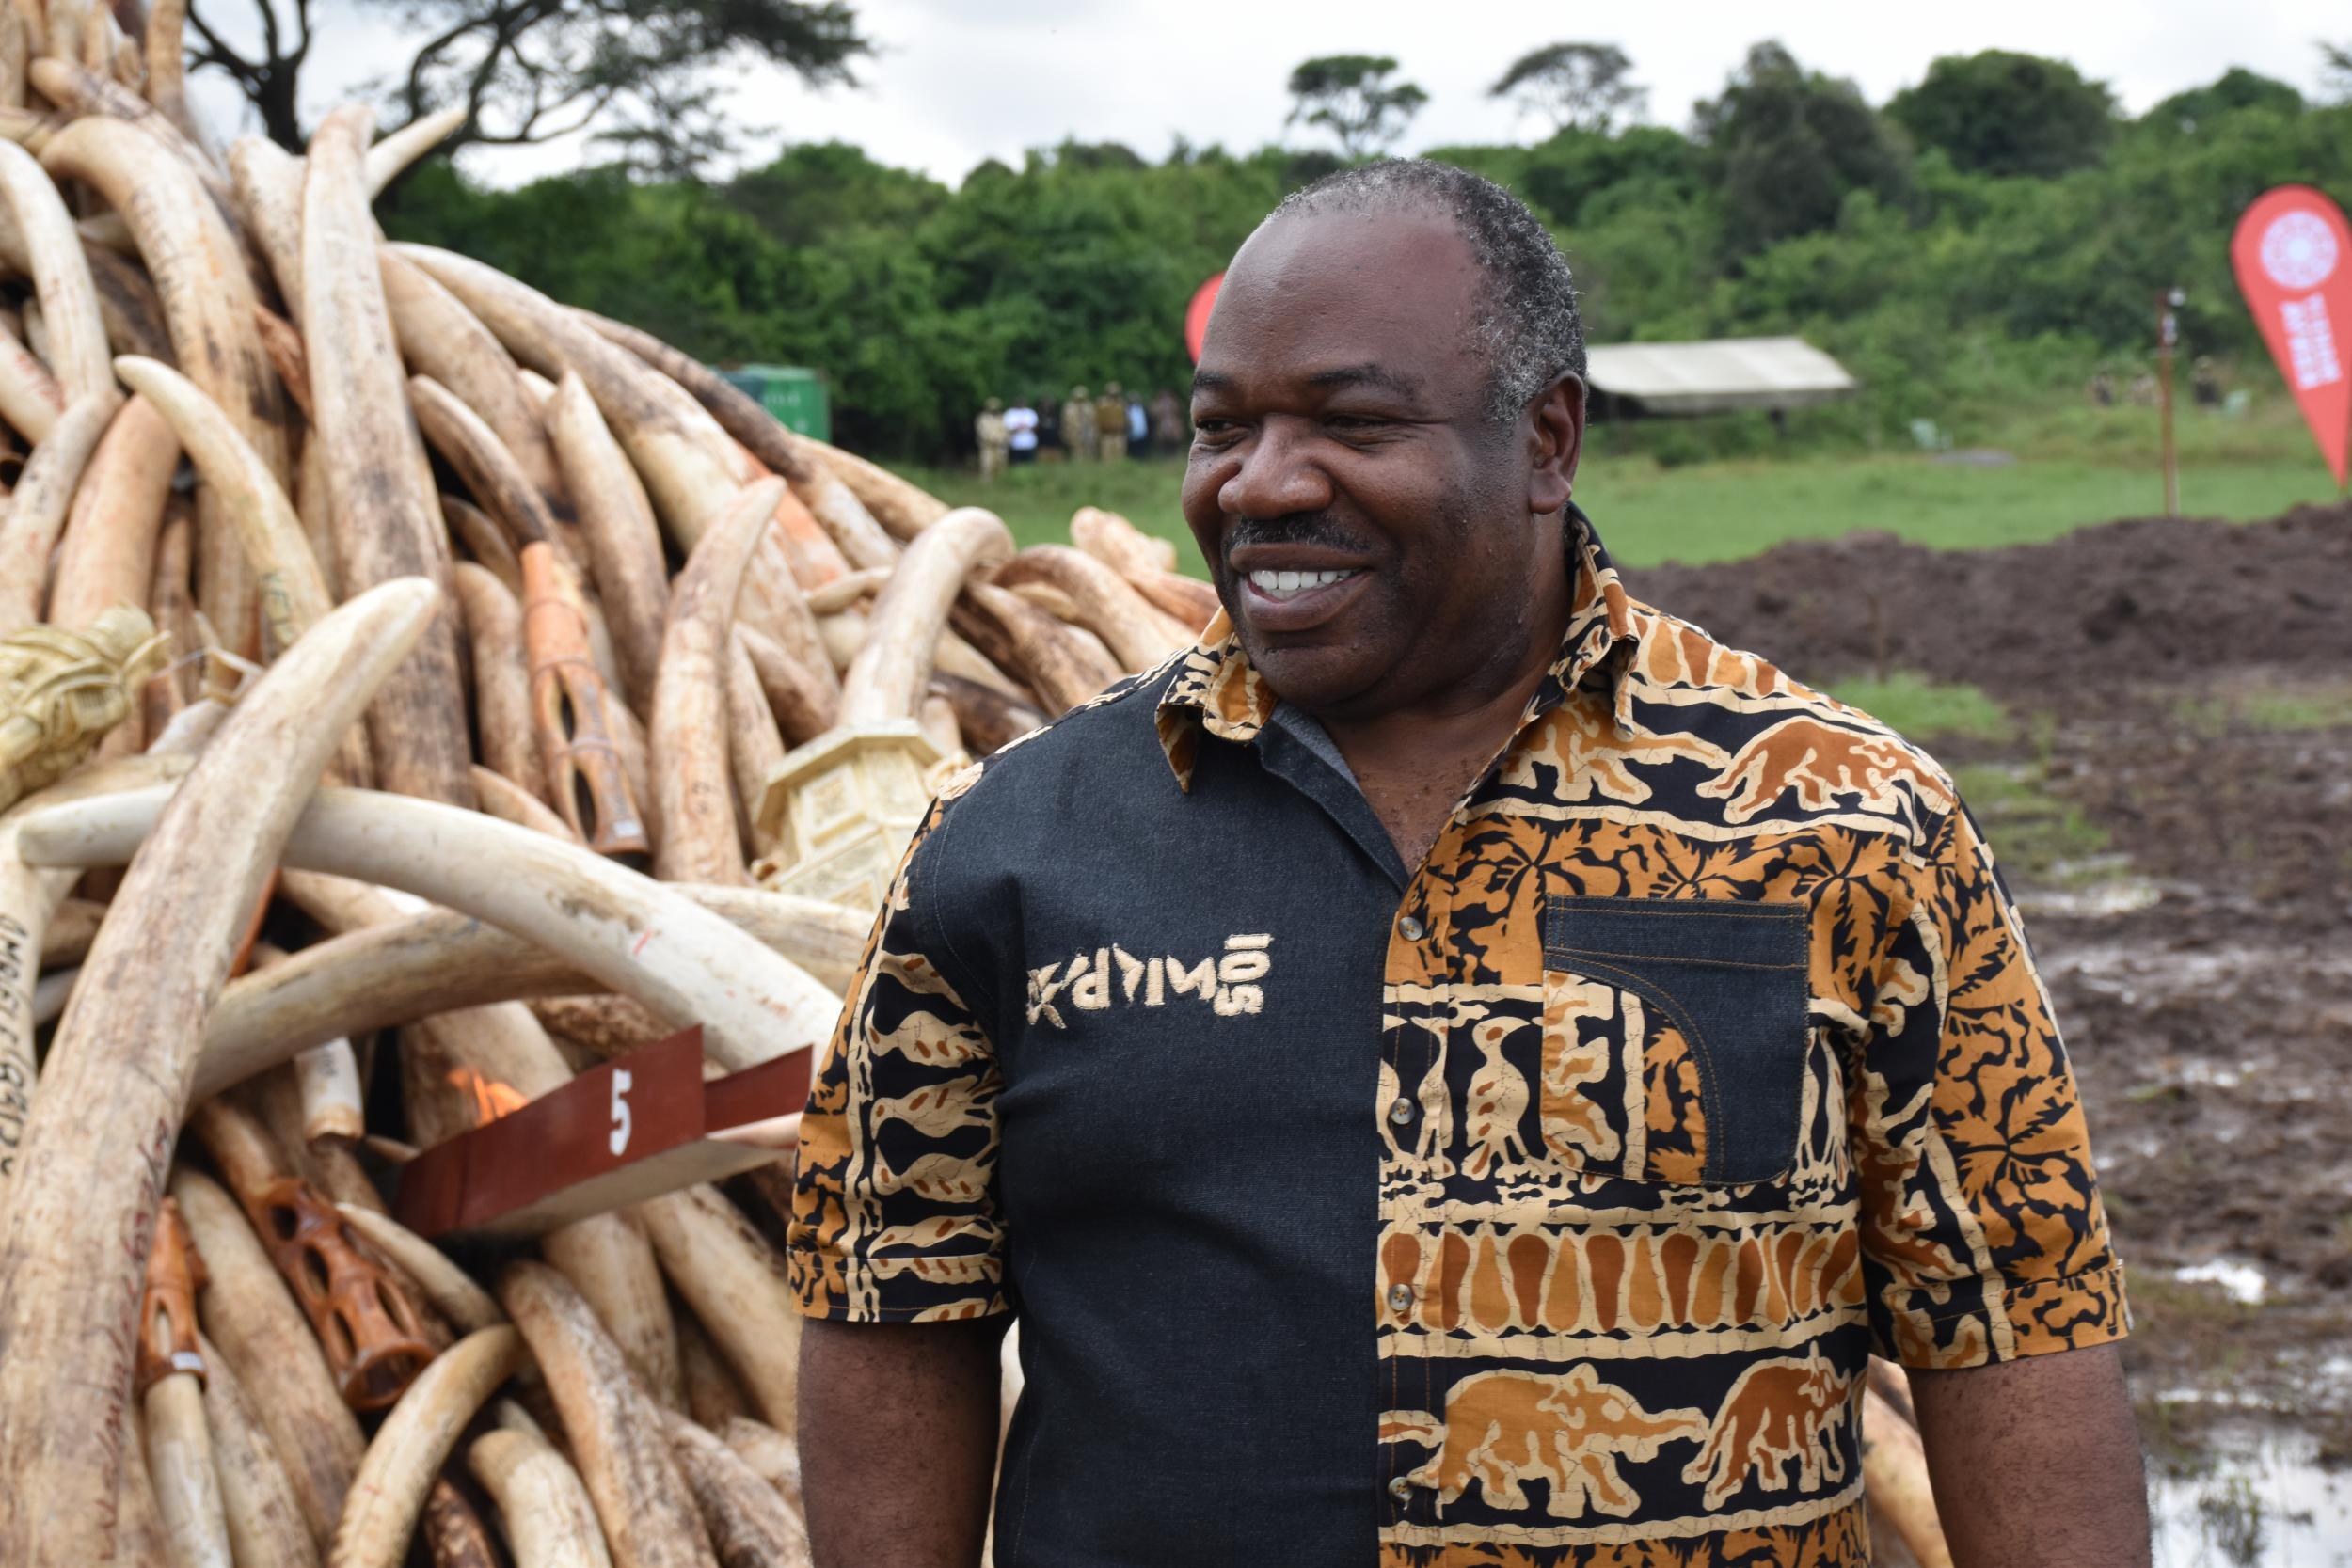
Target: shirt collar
(1215, 692)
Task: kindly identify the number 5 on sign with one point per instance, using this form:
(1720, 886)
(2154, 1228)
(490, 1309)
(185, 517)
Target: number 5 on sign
(618, 1141)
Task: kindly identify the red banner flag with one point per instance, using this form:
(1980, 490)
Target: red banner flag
(1196, 315)
(2292, 252)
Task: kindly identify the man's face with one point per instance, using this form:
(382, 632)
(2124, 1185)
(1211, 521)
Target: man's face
(1372, 533)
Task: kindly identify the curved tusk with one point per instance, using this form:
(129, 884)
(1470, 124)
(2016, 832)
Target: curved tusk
(648, 1516)
(389, 1494)
(750, 1526)
(550, 1521)
(37, 508)
(265, 1339)
(61, 278)
(30, 398)
(268, 184)
(1118, 544)
(502, 678)
(1059, 663)
(440, 339)
(123, 1057)
(1895, 1476)
(264, 1519)
(107, 555)
(693, 793)
(391, 156)
(170, 1380)
(775, 1457)
(295, 596)
(327, 1075)
(1138, 636)
(891, 671)
(627, 930)
(610, 1261)
(496, 795)
(386, 522)
(733, 1279)
(617, 528)
(756, 748)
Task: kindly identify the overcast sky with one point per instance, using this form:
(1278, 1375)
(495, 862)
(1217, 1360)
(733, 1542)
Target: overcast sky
(955, 81)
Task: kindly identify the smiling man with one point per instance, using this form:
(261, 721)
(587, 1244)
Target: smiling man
(1457, 1068)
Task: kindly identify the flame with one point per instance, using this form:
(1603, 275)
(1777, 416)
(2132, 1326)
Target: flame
(491, 1099)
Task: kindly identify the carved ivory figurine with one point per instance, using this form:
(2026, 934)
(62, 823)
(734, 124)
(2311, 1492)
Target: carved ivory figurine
(61, 692)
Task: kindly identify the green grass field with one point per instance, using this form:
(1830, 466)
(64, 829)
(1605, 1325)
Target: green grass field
(2072, 466)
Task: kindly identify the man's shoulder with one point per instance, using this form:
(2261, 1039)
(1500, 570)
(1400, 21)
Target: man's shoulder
(1109, 743)
(1782, 750)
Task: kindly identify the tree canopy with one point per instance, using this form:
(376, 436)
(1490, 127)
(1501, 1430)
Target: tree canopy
(639, 71)
(1788, 146)
(1351, 97)
(2003, 113)
(1579, 87)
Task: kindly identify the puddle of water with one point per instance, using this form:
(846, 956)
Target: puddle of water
(2262, 1501)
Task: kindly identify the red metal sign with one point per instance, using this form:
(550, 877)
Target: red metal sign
(1197, 316)
(2292, 252)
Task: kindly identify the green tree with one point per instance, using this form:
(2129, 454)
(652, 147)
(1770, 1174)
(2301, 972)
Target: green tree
(1790, 144)
(2234, 88)
(1580, 86)
(527, 71)
(2002, 113)
(1351, 97)
(2336, 60)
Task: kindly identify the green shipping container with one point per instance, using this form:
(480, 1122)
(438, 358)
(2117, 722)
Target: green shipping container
(795, 396)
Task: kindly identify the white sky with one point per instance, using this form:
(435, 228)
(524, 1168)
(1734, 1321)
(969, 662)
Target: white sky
(958, 81)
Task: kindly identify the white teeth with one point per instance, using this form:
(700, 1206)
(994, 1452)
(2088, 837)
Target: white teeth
(1289, 585)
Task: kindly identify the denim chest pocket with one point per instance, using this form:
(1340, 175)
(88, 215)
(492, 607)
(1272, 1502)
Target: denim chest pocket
(1674, 1038)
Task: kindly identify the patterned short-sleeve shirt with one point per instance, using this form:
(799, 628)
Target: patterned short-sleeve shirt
(1537, 1204)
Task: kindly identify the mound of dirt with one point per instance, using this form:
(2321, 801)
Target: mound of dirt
(2147, 600)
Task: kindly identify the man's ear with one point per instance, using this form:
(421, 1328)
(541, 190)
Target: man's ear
(1554, 444)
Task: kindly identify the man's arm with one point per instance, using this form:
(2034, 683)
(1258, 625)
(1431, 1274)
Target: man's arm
(898, 1441)
(2035, 1462)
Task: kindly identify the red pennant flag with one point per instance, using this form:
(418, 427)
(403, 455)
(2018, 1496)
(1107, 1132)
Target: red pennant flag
(2292, 252)
(1196, 315)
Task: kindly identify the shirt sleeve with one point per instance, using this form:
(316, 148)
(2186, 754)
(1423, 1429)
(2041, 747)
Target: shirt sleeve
(894, 1215)
(1984, 1237)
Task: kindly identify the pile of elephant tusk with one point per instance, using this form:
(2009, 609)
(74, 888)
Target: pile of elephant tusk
(413, 691)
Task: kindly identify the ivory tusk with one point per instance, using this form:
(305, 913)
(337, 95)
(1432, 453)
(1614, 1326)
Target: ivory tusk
(391, 155)
(987, 719)
(1894, 1475)
(30, 398)
(755, 742)
(264, 1519)
(625, 930)
(804, 706)
(617, 528)
(714, 1395)
(734, 1281)
(123, 1057)
(107, 555)
(449, 1288)
(441, 340)
(603, 1026)
(328, 1074)
(37, 508)
(1138, 636)
(844, 592)
(773, 1456)
(1118, 544)
(485, 541)
(750, 1526)
(691, 783)
(295, 596)
(439, 960)
(903, 508)
(648, 1517)
(268, 185)
(502, 678)
(496, 795)
(1055, 659)
(387, 521)
(891, 671)
(265, 1340)
(188, 1485)
(166, 84)
(862, 541)
(61, 278)
(550, 1521)
(282, 342)
(609, 1261)
(389, 1494)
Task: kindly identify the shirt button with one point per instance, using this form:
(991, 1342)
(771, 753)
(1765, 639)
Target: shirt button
(1400, 1297)
(1400, 1110)
(1400, 1489)
(1410, 928)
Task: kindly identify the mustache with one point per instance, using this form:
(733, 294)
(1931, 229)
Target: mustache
(1296, 528)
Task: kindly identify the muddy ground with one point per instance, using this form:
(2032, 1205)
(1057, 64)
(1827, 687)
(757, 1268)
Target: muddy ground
(2174, 807)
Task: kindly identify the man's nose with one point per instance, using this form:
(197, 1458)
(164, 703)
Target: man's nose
(1278, 475)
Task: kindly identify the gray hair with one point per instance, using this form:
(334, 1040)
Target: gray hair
(1528, 326)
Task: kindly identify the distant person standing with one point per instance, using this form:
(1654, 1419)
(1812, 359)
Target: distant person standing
(1021, 433)
(1167, 423)
(2207, 383)
(1077, 426)
(1138, 428)
(1110, 424)
(995, 440)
